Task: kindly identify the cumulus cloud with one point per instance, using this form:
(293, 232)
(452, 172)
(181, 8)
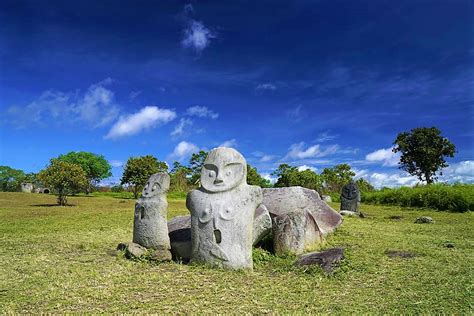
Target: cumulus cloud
(305, 167)
(391, 180)
(265, 86)
(197, 36)
(298, 151)
(384, 155)
(146, 118)
(269, 177)
(180, 128)
(95, 107)
(201, 111)
(459, 172)
(229, 143)
(183, 150)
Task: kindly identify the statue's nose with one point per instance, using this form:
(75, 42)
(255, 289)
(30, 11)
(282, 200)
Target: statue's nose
(218, 179)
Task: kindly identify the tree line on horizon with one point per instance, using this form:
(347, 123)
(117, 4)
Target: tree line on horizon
(422, 154)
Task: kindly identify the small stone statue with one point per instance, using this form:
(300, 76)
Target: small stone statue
(350, 197)
(150, 227)
(222, 211)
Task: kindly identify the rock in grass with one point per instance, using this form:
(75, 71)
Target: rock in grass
(160, 255)
(399, 254)
(348, 213)
(134, 250)
(327, 259)
(424, 220)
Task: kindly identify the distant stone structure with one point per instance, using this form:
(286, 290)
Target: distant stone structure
(222, 211)
(350, 197)
(150, 227)
(27, 187)
(42, 190)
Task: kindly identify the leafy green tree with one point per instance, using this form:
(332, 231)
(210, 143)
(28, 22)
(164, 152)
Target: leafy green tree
(290, 176)
(64, 178)
(179, 178)
(336, 177)
(195, 164)
(95, 166)
(138, 170)
(364, 185)
(254, 178)
(10, 179)
(423, 151)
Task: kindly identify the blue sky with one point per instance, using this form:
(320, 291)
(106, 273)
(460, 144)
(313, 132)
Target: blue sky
(310, 83)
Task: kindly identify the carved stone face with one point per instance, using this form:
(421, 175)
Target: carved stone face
(223, 170)
(350, 191)
(158, 184)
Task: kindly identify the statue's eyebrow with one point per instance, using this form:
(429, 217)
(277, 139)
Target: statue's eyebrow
(210, 167)
(233, 164)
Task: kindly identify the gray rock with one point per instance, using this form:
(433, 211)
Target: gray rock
(295, 233)
(350, 197)
(27, 187)
(262, 224)
(150, 227)
(327, 259)
(179, 231)
(134, 251)
(400, 254)
(285, 200)
(424, 220)
(222, 211)
(160, 255)
(326, 198)
(348, 213)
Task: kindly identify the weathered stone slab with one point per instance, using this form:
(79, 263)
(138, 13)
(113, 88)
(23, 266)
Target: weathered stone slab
(262, 224)
(281, 201)
(327, 259)
(179, 231)
(295, 233)
(348, 213)
(350, 197)
(150, 227)
(27, 187)
(222, 211)
(424, 220)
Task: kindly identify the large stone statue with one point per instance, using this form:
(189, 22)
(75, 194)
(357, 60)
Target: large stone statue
(150, 227)
(222, 211)
(350, 197)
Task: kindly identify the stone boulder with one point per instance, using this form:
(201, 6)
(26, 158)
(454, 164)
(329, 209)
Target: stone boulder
(295, 233)
(262, 224)
(327, 259)
(424, 220)
(179, 231)
(281, 201)
(132, 250)
(27, 187)
(348, 213)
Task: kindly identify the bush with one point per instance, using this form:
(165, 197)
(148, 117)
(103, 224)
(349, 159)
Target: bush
(442, 197)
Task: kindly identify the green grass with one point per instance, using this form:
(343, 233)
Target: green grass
(62, 259)
(442, 197)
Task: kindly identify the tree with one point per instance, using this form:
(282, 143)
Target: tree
(10, 179)
(254, 178)
(290, 176)
(336, 177)
(138, 170)
(422, 152)
(64, 178)
(364, 185)
(195, 164)
(179, 178)
(95, 166)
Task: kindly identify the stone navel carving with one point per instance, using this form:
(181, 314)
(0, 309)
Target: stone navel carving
(350, 197)
(222, 211)
(150, 227)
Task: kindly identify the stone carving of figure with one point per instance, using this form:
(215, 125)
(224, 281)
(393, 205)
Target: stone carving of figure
(222, 211)
(150, 227)
(350, 197)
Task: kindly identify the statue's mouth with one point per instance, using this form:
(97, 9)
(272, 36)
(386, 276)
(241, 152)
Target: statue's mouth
(217, 236)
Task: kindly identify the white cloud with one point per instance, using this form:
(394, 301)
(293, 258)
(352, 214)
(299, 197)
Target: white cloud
(201, 111)
(391, 180)
(94, 108)
(184, 149)
(116, 163)
(265, 86)
(298, 151)
(269, 177)
(324, 137)
(360, 173)
(267, 158)
(229, 143)
(146, 118)
(197, 36)
(305, 167)
(386, 156)
(180, 128)
(459, 172)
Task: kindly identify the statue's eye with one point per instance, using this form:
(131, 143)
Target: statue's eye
(228, 173)
(205, 216)
(212, 173)
(155, 187)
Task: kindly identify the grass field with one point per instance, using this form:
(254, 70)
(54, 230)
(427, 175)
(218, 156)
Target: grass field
(63, 259)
